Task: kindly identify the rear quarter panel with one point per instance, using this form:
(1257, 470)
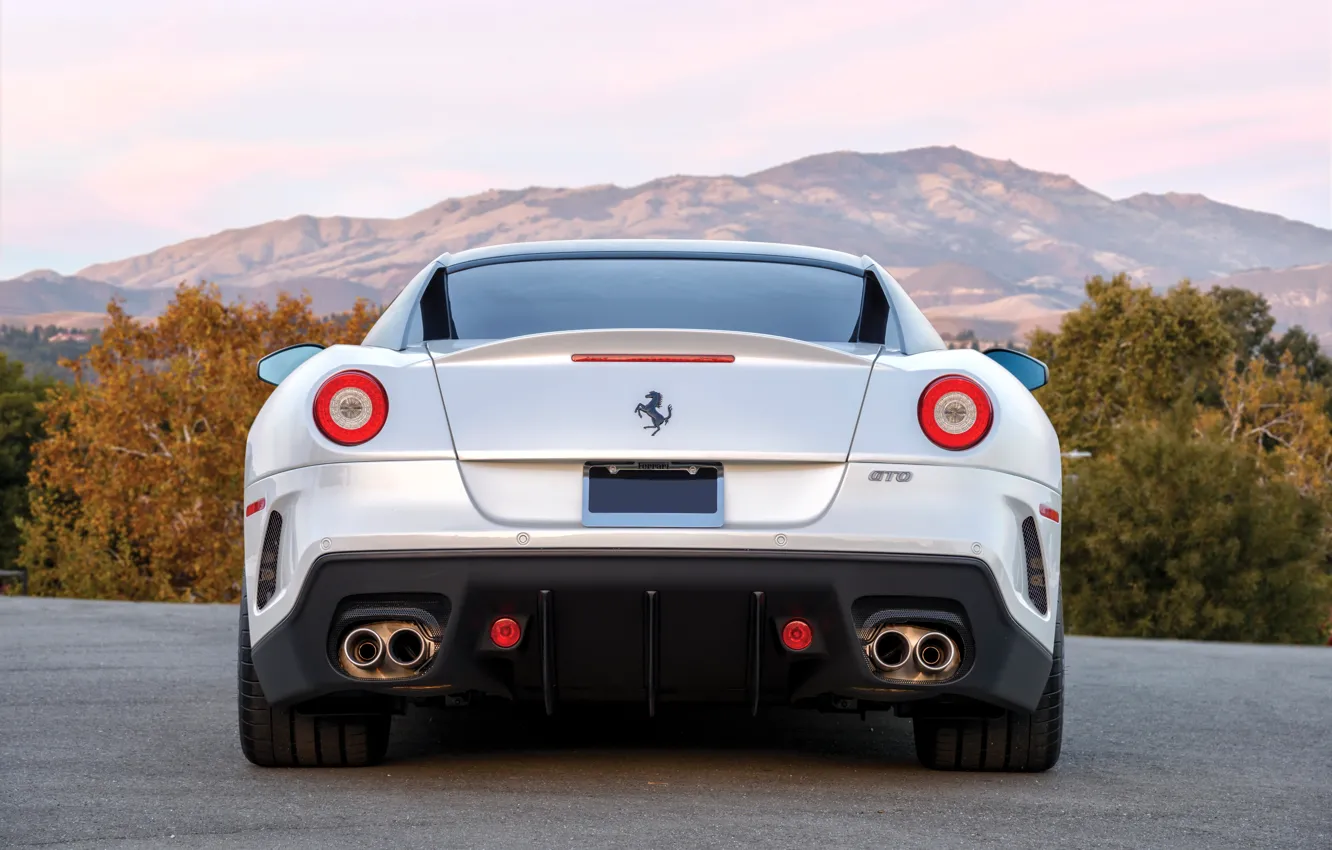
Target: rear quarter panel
(1021, 440)
(284, 436)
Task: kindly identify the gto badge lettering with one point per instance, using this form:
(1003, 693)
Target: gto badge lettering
(889, 475)
(653, 413)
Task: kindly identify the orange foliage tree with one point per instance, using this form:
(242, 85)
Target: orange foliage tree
(1276, 411)
(136, 489)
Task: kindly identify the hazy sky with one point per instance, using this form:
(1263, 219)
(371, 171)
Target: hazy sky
(131, 124)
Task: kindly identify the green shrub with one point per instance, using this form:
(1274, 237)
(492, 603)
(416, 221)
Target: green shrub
(1168, 534)
(20, 425)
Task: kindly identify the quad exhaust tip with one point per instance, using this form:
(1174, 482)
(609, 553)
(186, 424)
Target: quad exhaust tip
(386, 649)
(914, 652)
(363, 648)
(407, 648)
(890, 649)
(935, 652)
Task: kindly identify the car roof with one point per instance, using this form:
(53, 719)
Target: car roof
(654, 248)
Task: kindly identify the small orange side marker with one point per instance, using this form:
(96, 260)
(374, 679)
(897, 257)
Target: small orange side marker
(1049, 513)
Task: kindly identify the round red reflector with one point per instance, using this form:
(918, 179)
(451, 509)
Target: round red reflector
(955, 413)
(351, 407)
(505, 633)
(797, 635)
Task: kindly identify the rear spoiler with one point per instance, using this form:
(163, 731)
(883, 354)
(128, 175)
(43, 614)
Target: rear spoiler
(888, 316)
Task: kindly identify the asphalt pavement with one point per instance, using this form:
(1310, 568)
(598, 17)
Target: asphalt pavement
(118, 729)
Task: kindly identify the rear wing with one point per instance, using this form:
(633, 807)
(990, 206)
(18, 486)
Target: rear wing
(888, 316)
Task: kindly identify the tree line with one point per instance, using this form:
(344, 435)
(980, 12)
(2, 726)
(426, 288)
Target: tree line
(1203, 511)
(41, 349)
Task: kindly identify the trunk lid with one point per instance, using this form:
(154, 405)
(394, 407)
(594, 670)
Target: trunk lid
(529, 398)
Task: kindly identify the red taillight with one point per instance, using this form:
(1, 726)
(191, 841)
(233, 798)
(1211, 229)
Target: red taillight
(1049, 513)
(505, 633)
(797, 635)
(955, 413)
(654, 358)
(351, 407)
(254, 507)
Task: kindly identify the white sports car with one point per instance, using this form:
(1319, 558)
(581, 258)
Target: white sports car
(652, 472)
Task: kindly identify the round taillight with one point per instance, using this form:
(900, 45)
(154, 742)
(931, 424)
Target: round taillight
(505, 633)
(351, 407)
(955, 413)
(797, 635)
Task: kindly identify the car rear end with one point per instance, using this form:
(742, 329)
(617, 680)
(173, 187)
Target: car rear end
(654, 477)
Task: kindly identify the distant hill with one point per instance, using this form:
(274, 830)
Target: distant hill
(953, 284)
(45, 291)
(1006, 318)
(972, 230)
(48, 298)
(1299, 296)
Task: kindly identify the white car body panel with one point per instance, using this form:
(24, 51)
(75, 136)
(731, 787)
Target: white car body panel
(426, 505)
(525, 399)
(548, 494)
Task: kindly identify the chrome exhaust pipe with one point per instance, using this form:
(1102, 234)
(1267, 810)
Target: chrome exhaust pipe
(890, 649)
(406, 647)
(935, 651)
(363, 648)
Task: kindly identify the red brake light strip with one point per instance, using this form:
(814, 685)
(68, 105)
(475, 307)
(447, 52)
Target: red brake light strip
(654, 358)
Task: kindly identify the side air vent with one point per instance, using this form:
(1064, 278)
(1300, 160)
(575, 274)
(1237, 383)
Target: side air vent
(1031, 543)
(268, 559)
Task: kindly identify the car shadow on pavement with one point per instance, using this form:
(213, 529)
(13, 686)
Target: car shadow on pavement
(722, 735)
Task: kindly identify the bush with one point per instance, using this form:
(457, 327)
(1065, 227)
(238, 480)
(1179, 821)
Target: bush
(1172, 534)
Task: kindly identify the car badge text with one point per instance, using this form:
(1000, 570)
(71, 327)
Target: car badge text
(652, 411)
(890, 475)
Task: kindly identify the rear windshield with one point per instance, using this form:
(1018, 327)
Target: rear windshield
(540, 296)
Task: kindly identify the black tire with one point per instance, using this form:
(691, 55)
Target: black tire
(1013, 741)
(283, 737)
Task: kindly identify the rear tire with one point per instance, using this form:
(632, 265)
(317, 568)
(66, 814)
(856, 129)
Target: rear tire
(284, 737)
(1013, 741)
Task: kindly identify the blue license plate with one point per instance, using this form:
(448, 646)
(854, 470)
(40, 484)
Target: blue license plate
(652, 495)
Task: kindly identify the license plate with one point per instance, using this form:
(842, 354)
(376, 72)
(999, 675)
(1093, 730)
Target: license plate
(652, 495)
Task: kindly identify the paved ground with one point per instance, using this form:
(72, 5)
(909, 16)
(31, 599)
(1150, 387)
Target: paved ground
(117, 728)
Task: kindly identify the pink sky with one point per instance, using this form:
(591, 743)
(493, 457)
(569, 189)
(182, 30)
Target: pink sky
(127, 126)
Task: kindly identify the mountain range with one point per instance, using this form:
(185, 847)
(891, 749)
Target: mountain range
(980, 243)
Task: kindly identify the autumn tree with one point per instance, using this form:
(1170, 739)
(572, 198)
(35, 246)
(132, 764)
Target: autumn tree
(136, 490)
(1281, 416)
(1249, 319)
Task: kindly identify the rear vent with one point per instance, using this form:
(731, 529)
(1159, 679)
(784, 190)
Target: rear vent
(268, 559)
(1035, 566)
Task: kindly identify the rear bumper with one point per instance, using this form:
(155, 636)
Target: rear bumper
(360, 509)
(656, 626)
